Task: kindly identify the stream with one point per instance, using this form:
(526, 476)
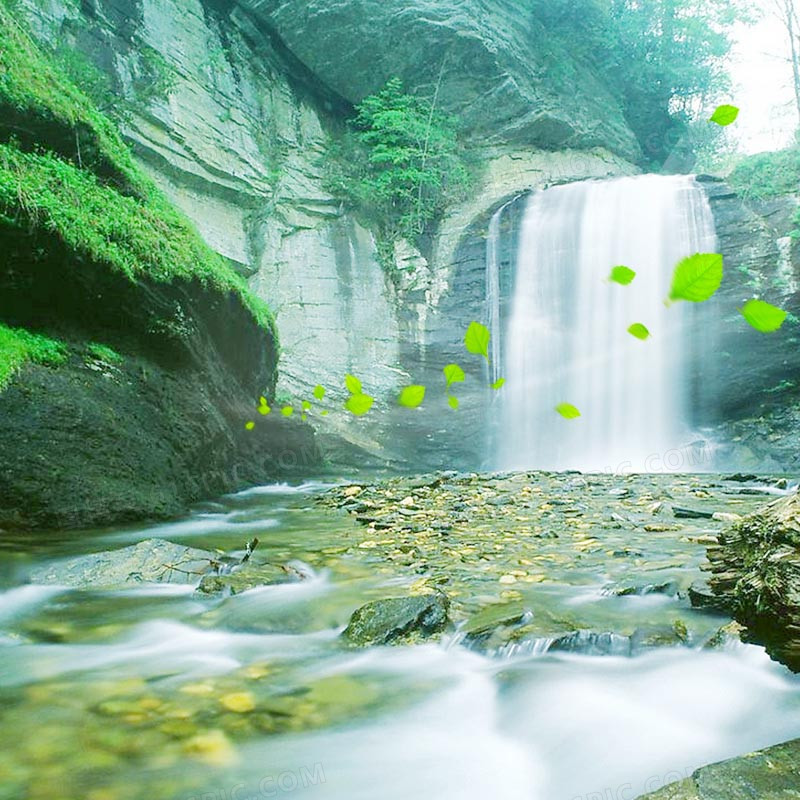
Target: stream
(155, 692)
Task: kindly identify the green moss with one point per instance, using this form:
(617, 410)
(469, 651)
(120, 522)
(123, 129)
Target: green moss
(19, 346)
(103, 352)
(767, 174)
(94, 198)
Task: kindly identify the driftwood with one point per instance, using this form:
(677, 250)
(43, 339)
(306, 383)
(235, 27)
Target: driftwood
(755, 570)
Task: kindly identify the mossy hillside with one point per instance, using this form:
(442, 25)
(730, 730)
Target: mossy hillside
(89, 192)
(18, 346)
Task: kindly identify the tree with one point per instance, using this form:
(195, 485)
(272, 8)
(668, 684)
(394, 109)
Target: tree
(786, 11)
(402, 161)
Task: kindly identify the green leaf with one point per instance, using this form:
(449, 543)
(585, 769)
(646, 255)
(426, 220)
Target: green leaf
(324, 413)
(287, 411)
(412, 396)
(568, 411)
(697, 278)
(477, 338)
(725, 115)
(763, 316)
(453, 374)
(353, 384)
(319, 392)
(249, 425)
(304, 417)
(499, 384)
(622, 275)
(359, 404)
(306, 405)
(639, 331)
(264, 409)
(453, 401)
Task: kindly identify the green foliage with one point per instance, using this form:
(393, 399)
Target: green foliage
(664, 59)
(359, 404)
(93, 197)
(767, 174)
(622, 275)
(453, 374)
(697, 277)
(725, 115)
(452, 401)
(401, 163)
(19, 346)
(763, 316)
(639, 331)
(499, 384)
(287, 411)
(319, 392)
(476, 339)
(568, 411)
(263, 407)
(412, 396)
(103, 352)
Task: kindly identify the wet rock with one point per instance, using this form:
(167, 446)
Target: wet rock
(247, 576)
(398, 620)
(670, 589)
(691, 513)
(493, 625)
(149, 561)
(772, 774)
(593, 644)
(703, 597)
(757, 565)
(732, 632)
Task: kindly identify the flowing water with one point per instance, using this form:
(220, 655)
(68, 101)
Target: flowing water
(116, 695)
(566, 338)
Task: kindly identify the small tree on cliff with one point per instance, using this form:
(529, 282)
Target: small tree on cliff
(401, 162)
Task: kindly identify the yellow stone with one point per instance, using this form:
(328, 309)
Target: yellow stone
(507, 579)
(211, 747)
(197, 688)
(256, 671)
(240, 702)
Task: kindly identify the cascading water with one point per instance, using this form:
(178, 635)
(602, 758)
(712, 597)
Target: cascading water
(566, 338)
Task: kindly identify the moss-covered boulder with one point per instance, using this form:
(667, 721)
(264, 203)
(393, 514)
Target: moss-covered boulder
(756, 573)
(398, 620)
(131, 354)
(772, 774)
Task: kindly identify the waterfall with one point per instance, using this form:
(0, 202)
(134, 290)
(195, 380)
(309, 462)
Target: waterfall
(566, 337)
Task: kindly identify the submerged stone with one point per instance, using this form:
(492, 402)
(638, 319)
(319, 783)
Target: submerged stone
(398, 620)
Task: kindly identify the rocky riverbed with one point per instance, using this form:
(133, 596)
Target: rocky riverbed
(520, 608)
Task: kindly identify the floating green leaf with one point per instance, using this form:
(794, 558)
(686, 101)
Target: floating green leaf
(287, 411)
(453, 374)
(697, 278)
(568, 411)
(319, 392)
(477, 338)
(763, 316)
(453, 401)
(639, 331)
(304, 417)
(412, 396)
(353, 384)
(622, 275)
(249, 425)
(263, 407)
(306, 405)
(324, 413)
(359, 404)
(499, 384)
(725, 115)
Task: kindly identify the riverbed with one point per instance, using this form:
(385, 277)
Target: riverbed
(574, 667)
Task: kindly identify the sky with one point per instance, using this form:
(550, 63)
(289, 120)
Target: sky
(762, 84)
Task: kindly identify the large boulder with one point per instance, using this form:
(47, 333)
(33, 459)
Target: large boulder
(398, 620)
(756, 570)
(502, 72)
(772, 774)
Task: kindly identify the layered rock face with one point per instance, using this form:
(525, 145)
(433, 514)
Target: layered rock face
(491, 60)
(756, 571)
(755, 410)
